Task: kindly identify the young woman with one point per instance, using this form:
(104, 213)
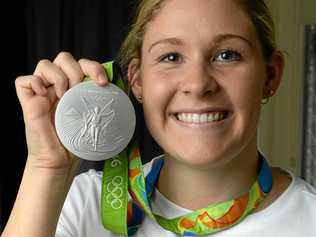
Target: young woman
(201, 69)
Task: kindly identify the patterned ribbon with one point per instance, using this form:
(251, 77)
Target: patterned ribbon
(126, 195)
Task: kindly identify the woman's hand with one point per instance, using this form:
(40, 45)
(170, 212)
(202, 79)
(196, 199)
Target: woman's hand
(39, 94)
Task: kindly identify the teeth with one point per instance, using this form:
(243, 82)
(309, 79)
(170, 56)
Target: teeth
(201, 118)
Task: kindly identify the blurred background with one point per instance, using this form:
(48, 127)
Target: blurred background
(287, 133)
(94, 29)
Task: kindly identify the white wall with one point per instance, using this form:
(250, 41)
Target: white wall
(280, 132)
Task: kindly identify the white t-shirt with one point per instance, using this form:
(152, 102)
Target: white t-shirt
(292, 214)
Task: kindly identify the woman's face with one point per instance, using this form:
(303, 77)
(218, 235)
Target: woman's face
(201, 78)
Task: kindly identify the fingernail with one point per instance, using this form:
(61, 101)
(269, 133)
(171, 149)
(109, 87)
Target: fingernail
(102, 78)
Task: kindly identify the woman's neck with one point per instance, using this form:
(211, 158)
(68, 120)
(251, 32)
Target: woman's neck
(194, 188)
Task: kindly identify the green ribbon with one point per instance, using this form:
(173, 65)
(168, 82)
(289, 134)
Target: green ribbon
(114, 194)
(115, 181)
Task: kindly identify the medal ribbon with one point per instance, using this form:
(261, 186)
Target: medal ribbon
(126, 194)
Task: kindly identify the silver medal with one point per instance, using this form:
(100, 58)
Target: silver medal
(94, 122)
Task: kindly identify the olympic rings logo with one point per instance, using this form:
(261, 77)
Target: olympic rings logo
(115, 192)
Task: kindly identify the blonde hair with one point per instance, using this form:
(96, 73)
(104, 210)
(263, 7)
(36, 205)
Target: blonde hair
(261, 18)
(257, 10)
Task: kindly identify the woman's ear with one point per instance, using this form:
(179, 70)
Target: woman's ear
(134, 78)
(274, 70)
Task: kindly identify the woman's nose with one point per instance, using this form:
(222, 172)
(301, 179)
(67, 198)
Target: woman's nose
(198, 80)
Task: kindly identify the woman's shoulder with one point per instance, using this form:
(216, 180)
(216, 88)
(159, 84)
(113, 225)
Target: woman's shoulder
(304, 193)
(290, 188)
(298, 185)
(289, 192)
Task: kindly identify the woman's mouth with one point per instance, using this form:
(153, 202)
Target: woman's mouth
(198, 118)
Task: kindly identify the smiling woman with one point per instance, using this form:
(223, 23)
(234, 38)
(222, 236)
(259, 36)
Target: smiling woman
(201, 69)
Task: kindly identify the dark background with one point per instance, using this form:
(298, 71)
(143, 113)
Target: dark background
(40, 29)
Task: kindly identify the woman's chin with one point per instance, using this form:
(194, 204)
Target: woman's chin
(202, 159)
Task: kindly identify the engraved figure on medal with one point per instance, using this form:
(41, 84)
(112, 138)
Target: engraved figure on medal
(95, 123)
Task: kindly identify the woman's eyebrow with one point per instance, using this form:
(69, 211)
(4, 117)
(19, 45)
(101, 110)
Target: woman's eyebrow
(173, 41)
(222, 37)
(218, 39)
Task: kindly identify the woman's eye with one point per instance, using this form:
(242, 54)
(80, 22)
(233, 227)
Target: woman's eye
(227, 56)
(170, 57)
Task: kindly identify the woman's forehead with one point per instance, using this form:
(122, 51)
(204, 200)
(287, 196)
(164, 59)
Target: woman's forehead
(204, 17)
